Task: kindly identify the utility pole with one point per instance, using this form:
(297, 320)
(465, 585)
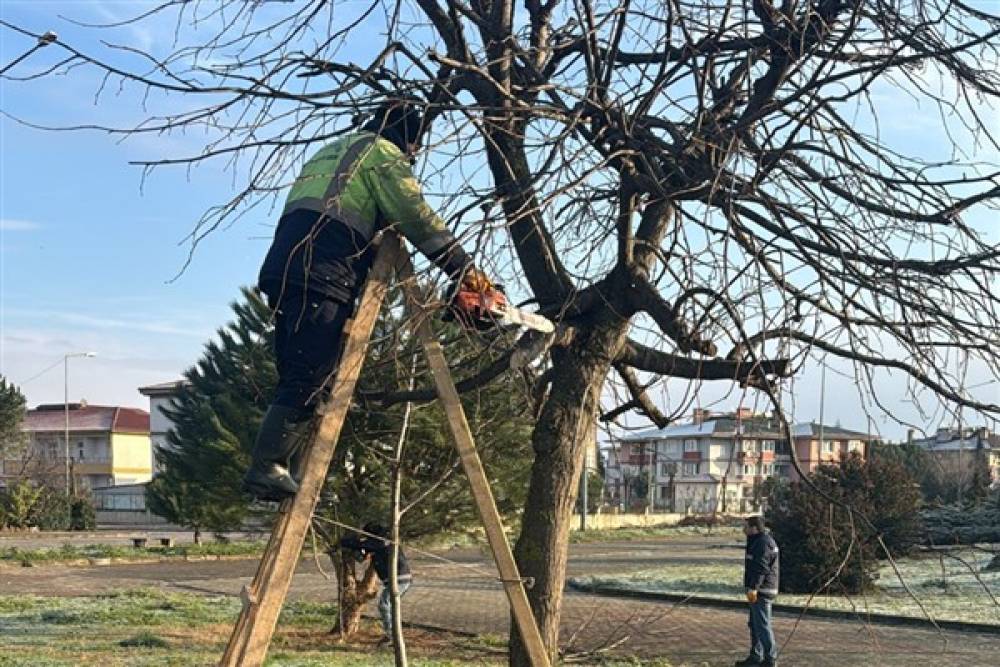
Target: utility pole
(650, 462)
(583, 495)
(961, 447)
(961, 434)
(822, 401)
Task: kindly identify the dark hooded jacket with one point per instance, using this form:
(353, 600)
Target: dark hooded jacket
(381, 552)
(761, 569)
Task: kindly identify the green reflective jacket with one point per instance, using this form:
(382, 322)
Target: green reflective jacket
(366, 182)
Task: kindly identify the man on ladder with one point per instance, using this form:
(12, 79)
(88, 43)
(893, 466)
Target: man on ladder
(317, 265)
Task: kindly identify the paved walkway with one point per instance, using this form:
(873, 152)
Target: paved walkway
(462, 594)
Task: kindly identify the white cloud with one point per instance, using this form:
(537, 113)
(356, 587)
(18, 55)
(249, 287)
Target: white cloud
(98, 322)
(10, 225)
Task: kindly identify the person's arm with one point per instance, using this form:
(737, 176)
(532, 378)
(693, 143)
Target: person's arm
(758, 564)
(371, 545)
(351, 541)
(398, 195)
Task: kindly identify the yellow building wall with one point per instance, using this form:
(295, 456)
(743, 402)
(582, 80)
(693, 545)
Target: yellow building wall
(131, 458)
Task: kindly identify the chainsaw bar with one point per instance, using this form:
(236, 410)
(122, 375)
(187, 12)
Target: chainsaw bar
(507, 314)
(493, 306)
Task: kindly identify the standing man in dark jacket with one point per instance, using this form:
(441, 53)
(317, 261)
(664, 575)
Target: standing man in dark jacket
(346, 193)
(760, 579)
(376, 545)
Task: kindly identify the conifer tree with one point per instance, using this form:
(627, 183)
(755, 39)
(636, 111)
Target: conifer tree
(12, 408)
(217, 413)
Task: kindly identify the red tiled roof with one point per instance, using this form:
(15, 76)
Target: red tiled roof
(51, 418)
(130, 420)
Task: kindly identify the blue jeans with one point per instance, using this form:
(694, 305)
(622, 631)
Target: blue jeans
(762, 644)
(385, 603)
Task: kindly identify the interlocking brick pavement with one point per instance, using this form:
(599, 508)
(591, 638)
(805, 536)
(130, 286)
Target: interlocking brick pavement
(692, 635)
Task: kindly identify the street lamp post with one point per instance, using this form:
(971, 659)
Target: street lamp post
(66, 359)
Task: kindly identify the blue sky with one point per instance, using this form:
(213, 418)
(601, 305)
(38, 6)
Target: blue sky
(88, 258)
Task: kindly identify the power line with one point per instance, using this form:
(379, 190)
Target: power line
(40, 373)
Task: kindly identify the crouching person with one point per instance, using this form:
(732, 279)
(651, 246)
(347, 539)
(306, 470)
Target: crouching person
(376, 546)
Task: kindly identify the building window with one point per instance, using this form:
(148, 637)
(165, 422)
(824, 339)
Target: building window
(768, 469)
(747, 469)
(767, 445)
(670, 448)
(828, 446)
(80, 449)
(691, 445)
(667, 469)
(749, 446)
(692, 469)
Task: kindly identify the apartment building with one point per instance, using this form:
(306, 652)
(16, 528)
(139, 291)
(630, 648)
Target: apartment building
(959, 450)
(718, 462)
(160, 396)
(108, 446)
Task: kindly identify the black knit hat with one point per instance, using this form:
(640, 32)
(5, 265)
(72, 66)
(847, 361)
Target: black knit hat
(375, 528)
(397, 121)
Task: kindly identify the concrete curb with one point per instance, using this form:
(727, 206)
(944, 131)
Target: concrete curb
(790, 609)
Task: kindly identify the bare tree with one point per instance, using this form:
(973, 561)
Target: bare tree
(693, 189)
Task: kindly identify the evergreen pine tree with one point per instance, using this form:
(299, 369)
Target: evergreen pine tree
(12, 409)
(215, 418)
(822, 544)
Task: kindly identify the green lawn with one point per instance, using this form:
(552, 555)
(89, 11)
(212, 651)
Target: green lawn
(657, 533)
(74, 552)
(152, 628)
(948, 589)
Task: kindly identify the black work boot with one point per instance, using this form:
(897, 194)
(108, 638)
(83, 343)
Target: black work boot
(282, 433)
(748, 662)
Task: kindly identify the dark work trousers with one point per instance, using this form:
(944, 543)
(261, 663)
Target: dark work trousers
(309, 329)
(762, 644)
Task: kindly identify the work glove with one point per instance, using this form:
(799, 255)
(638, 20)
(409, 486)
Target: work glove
(752, 597)
(475, 280)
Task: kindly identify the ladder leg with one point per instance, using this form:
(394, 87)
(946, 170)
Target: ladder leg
(473, 466)
(264, 597)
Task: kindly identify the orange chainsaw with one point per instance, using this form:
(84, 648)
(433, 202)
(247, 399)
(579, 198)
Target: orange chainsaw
(489, 308)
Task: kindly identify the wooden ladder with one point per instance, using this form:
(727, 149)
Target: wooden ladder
(264, 596)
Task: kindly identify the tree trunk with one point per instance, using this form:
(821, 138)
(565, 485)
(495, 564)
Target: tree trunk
(565, 428)
(353, 593)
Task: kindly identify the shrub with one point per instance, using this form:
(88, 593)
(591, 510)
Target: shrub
(52, 511)
(823, 544)
(957, 524)
(26, 504)
(711, 521)
(18, 503)
(83, 516)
